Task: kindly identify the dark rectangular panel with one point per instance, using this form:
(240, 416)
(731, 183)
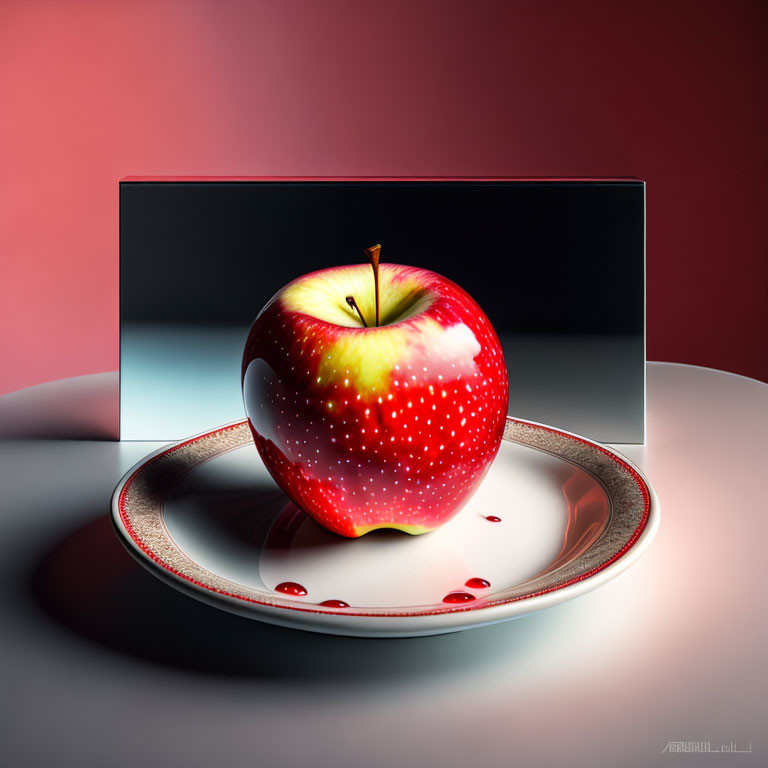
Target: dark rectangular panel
(558, 266)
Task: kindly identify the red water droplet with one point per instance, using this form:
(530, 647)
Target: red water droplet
(458, 597)
(290, 588)
(478, 583)
(335, 604)
(493, 518)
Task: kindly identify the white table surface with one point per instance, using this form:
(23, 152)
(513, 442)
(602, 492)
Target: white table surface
(103, 665)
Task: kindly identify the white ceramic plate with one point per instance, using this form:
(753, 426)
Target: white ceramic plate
(556, 516)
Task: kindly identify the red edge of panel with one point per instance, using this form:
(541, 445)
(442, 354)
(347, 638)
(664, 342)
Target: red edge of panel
(312, 609)
(134, 179)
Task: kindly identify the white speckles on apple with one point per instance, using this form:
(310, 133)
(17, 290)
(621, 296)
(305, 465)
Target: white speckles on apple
(440, 474)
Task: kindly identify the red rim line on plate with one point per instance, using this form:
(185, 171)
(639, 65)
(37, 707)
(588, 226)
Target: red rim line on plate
(310, 608)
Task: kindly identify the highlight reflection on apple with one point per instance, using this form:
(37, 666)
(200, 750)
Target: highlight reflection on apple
(377, 398)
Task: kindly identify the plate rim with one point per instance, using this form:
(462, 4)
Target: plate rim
(400, 623)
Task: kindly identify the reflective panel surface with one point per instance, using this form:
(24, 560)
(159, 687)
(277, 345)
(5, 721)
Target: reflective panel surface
(558, 267)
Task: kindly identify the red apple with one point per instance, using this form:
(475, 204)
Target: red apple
(366, 425)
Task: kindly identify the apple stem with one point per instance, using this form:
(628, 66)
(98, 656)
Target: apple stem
(352, 303)
(373, 256)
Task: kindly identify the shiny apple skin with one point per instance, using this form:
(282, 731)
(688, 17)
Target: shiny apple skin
(405, 450)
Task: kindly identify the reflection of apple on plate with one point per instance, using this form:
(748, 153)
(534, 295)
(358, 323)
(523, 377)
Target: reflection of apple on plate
(302, 559)
(375, 403)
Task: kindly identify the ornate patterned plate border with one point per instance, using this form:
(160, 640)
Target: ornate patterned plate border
(137, 512)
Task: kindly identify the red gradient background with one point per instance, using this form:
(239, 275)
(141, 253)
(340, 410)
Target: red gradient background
(671, 92)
